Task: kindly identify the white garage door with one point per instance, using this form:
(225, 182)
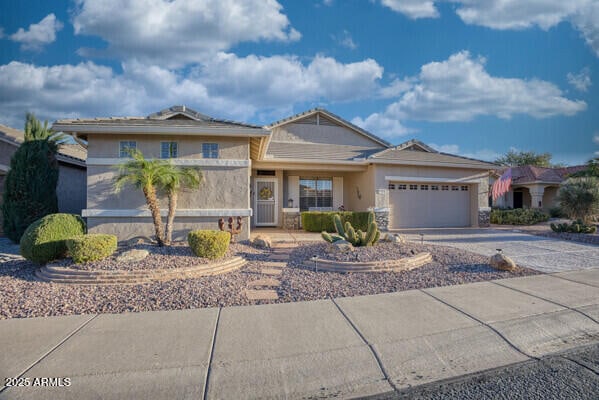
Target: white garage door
(425, 205)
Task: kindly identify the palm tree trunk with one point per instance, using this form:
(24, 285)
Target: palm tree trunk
(170, 220)
(150, 194)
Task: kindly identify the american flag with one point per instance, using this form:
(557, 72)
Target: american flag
(502, 185)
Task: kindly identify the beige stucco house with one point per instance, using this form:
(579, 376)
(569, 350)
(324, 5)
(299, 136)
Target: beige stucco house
(534, 187)
(71, 188)
(268, 175)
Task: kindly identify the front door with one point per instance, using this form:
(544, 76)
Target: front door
(518, 199)
(266, 201)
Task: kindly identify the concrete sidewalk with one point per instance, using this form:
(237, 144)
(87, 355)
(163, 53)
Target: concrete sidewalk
(349, 347)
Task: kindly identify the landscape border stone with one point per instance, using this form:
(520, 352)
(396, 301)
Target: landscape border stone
(401, 264)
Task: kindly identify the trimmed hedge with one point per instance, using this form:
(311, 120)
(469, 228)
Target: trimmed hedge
(45, 239)
(518, 216)
(318, 221)
(91, 247)
(209, 244)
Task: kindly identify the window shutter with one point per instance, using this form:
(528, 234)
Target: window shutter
(293, 191)
(337, 192)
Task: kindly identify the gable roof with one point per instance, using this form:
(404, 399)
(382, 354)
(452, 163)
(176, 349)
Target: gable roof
(531, 174)
(414, 152)
(72, 153)
(333, 117)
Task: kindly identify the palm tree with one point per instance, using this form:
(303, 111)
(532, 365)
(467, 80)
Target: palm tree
(34, 130)
(175, 179)
(145, 175)
(579, 197)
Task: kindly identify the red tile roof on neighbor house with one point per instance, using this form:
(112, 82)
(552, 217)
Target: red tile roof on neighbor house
(530, 174)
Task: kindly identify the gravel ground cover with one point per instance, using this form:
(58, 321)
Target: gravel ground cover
(382, 251)
(166, 257)
(23, 296)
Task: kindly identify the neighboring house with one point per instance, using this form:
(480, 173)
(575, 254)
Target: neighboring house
(310, 161)
(71, 179)
(534, 187)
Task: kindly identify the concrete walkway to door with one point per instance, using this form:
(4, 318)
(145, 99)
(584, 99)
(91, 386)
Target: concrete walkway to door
(540, 253)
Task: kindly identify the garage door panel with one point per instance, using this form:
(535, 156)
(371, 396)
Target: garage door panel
(429, 208)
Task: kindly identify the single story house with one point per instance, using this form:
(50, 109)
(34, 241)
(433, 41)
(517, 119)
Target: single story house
(71, 188)
(534, 187)
(314, 160)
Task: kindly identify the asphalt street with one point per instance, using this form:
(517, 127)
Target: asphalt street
(569, 375)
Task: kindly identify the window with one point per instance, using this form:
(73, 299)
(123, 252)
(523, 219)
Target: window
(210, 150)
(266, 172)
(454, 188)
(444, 187)
(168, 150)
(402, 187)
(434, 187)
(316, 192)
(423, 187)
(413, 187)
(391, 186)
(464, 188)
(125, 147)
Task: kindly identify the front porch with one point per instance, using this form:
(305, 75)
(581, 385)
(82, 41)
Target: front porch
(541, 196)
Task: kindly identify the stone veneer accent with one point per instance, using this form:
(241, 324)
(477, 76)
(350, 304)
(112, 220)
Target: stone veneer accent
(484, 217)
(381, 216)
(291, 220)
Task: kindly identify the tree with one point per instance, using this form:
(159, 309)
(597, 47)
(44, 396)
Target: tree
(579, 197)
(145, 175)
(34, 130)
(175, 179)
(592, 169)
(30, 187)
(515, 158)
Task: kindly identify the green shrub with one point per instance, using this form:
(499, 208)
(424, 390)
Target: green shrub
(319, 221)
(209, 244)
(45, 239)
(556, 212)
(30, 187)
(91, 247)
(576, 227)
(518, 216)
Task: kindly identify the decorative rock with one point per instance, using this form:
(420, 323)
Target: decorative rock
(134, 255)
(138, 240)
(394, 238)
(262, 241)
(502, 262)
(340, 246)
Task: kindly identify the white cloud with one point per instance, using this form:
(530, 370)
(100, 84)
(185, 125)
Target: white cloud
(38, 35)
(446, 148)
(413, 8)
(381, 125)
(460, 89)
(345, 40)
(596, 138)
(178, 32)
(581, 80)
(395, 88)
(235, 86)
(514, 14)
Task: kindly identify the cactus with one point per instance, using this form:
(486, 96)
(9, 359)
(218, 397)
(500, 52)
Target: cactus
(575, 227)
(338, 225)
(356, 238)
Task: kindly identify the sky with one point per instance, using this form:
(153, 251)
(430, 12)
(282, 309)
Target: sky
(469, 77)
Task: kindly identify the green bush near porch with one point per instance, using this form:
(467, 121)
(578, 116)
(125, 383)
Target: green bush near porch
(209, 244)
(518, 216)
(318, 221)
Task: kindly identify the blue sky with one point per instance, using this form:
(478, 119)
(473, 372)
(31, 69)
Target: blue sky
(470, 77)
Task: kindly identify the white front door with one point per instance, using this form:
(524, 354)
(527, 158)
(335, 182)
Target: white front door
(266, 201)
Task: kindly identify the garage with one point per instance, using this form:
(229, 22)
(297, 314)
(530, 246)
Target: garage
(429, 205)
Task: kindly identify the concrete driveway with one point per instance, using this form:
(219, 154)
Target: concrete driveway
(540, 253)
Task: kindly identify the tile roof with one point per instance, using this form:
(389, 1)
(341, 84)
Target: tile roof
(530, 174)
(166, 117)
(68, 151)
(404, 154)
(317, 151)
